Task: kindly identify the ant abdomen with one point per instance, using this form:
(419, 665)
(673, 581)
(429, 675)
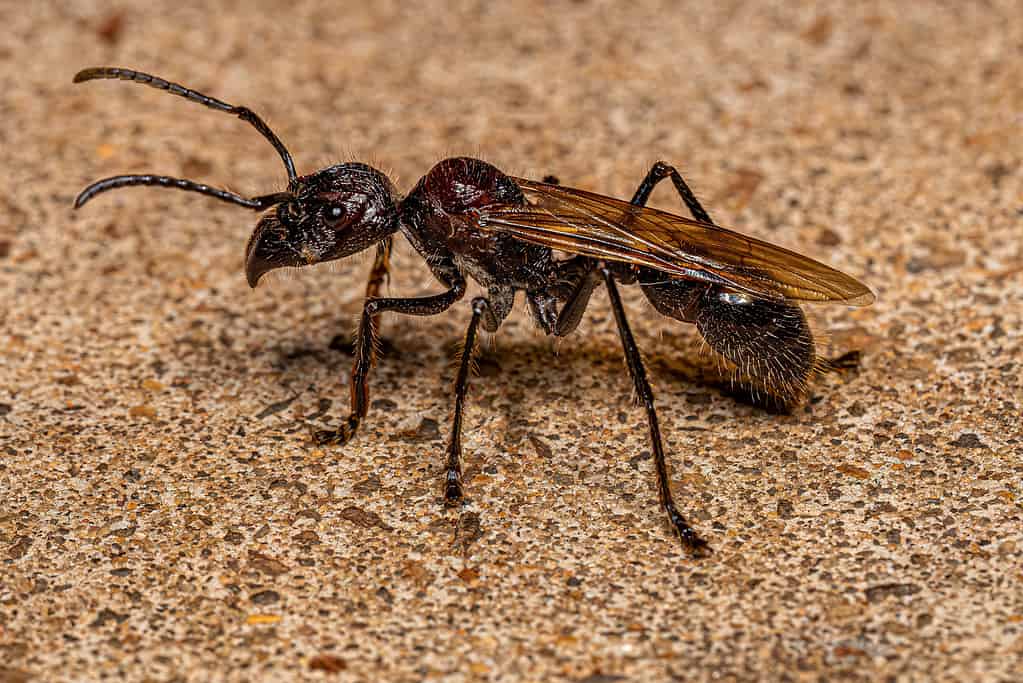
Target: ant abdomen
(678, 299)
(768, 342)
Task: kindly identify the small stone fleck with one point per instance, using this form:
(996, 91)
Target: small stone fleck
(331, 664)
(142, 411)
(469, 529)
(601, 678)
(428, 430)
(854, 471)
(308, 537)
(367, 486)
(968, 440)
(363, 518)
(257, 619)
(277, 407)
(384, 405)
(829, 238)
(107, 615)
(882, 591)
(541, 448)
(469, 575)
(266, 564)
(819, 31)
(19, 548)
(267, 597)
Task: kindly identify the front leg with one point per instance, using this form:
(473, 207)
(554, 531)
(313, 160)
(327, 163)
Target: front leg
(379, 275)
(365, 349)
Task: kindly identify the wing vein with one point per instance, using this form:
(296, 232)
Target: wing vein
(586, 223)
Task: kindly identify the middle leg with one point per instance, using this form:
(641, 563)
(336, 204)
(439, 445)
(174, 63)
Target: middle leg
(453, 490)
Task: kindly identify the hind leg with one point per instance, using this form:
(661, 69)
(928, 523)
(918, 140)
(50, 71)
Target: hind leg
(686, 534)
(659, 172)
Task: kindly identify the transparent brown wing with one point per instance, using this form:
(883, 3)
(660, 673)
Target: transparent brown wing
(585, 223)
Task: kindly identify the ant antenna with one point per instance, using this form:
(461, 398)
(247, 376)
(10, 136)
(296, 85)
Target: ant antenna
(258, 203)
(244, 113)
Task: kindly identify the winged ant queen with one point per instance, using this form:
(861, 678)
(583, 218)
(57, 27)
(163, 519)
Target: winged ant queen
(467, 219)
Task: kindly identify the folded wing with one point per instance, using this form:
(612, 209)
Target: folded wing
(586, 223)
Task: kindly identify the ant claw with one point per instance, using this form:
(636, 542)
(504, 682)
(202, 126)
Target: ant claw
(330, 437)
(696, 546)
(453, 493)
(339, 436)
(691, 541)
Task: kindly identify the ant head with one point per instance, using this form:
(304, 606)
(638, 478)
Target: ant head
(328, 215)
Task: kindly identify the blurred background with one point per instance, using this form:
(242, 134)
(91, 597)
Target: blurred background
(164, 516)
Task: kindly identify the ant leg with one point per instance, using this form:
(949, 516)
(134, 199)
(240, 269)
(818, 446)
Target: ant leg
(575, 305)
(379, 275)
(565, 321)
(659, 172)
(365, 352)
(686, 533)
(576, 280)
(453, 479)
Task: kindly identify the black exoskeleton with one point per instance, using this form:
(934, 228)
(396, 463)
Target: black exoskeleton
(467, 219)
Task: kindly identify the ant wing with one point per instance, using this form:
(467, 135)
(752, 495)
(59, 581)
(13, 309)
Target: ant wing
(590, 224)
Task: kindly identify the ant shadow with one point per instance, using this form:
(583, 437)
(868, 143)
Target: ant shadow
(562, 364)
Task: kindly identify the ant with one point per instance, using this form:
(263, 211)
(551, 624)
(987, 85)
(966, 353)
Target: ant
(467, 219)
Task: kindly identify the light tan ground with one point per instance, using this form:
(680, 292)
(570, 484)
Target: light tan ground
(154, 526)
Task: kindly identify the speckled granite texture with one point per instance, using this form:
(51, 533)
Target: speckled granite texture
(163, 516)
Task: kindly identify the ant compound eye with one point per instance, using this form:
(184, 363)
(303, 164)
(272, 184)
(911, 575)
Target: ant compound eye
(332, 213)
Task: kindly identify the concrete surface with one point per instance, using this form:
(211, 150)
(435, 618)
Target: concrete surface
(163, 516)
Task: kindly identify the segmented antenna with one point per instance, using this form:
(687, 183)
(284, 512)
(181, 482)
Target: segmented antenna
(244, 113)
(257, 203)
